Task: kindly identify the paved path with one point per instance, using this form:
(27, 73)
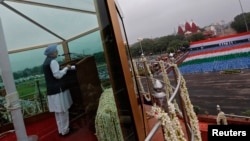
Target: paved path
(230, 91)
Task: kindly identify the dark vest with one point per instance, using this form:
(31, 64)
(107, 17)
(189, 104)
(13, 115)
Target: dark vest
(53, 85)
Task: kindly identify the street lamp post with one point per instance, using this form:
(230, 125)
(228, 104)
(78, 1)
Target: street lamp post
(140, 39)
(243, 15)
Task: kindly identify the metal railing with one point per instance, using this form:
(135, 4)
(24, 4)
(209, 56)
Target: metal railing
(237, 116)
(168, 68)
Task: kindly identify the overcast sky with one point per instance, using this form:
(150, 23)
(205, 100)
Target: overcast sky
(157, 18)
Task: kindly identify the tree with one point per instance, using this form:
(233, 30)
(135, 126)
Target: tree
(159, 45)
(239, 24)
(176, 44)
(246, 113)
(196, 37)
(99, 57)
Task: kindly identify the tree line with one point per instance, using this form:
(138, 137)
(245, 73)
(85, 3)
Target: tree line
(173, 43)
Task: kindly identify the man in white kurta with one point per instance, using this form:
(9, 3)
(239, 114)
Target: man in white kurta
(59, 98)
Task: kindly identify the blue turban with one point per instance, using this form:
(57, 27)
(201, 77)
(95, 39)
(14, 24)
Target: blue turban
(50, 49)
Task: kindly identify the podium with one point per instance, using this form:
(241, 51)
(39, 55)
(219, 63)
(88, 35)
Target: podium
(85, 88)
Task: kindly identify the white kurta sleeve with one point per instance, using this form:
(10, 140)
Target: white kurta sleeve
(55, 68)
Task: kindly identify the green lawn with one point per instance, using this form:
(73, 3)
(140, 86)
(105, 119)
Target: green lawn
(30, 88)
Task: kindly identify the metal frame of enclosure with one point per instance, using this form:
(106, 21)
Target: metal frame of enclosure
(80, 28)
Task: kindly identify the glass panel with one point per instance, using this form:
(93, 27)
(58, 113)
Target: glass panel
(72, 23)
(130, 135)
(26, 65)
(29, 59)
(19, 33)
(88, 45)
(28, 75)
(116, 74)
(77, 4)
(48, 23)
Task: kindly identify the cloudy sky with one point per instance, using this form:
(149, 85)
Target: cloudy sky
(156, 18)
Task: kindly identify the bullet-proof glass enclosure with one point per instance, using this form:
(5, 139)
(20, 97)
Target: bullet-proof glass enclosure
(84, 33)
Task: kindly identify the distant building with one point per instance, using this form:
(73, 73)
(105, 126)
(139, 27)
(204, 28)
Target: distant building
(188, 28)
(214, 30)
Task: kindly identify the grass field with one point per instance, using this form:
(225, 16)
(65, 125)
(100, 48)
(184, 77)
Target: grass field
(30, 88)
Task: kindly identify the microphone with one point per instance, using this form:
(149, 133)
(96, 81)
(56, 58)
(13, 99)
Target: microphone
(64, 54)
(71, 54)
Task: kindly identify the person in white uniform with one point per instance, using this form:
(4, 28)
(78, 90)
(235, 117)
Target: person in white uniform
(59, 98)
